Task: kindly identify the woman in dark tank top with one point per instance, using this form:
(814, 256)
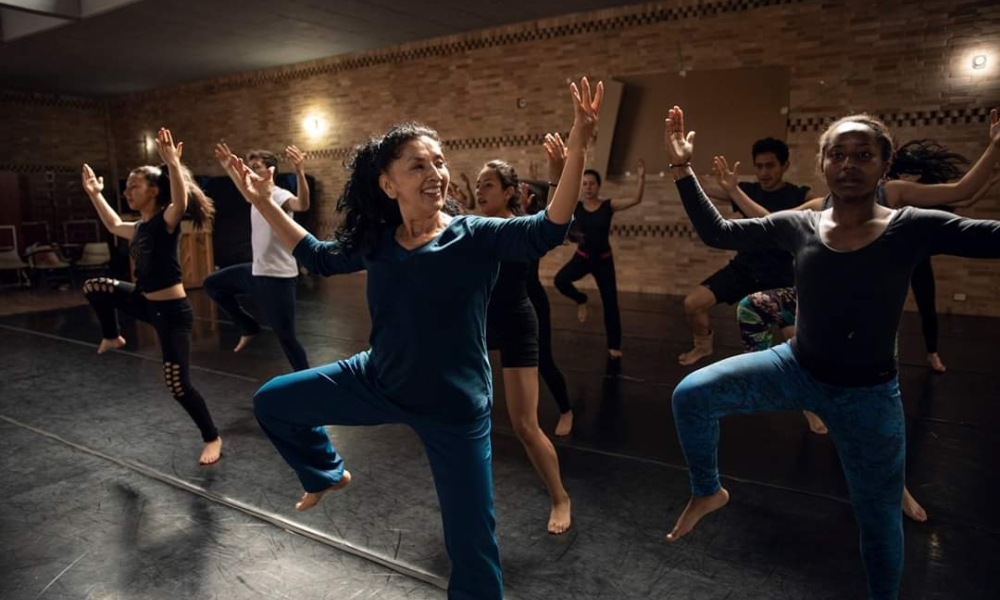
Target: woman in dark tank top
(593, 255)
(161, 195)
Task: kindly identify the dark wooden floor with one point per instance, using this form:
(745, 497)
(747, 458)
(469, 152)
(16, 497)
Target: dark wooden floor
(101, 496)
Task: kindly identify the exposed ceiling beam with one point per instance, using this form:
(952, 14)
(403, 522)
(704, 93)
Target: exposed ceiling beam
(63, 9)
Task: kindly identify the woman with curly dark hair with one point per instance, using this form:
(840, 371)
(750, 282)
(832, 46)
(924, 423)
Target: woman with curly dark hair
(427, 366)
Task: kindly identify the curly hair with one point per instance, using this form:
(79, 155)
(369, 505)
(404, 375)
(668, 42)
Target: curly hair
(928, 159)
(367, 211)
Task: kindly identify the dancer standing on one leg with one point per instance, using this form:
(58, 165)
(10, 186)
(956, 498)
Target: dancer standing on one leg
(512, 328)
(427, 367)
(273, 275)
(593, 255)
(852, 268)
(748, 271)
(161, 195)
(540, 300)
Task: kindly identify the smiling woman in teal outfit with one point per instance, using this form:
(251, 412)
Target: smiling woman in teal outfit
(427, 366)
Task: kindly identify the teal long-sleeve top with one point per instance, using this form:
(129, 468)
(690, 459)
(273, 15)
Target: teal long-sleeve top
(428, 308)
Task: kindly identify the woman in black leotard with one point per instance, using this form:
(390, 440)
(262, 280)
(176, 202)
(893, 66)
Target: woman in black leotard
(512, 328)
(593, 254)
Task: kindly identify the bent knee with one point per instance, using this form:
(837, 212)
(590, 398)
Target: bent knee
(268, 397)
(102, 285)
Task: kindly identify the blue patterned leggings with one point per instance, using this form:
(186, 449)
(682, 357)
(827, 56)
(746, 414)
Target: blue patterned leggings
(866, 424)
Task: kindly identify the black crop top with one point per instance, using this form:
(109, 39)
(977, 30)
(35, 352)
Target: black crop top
(510, 291)
(154, 254)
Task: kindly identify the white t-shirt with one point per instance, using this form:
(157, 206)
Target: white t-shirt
(270, 258)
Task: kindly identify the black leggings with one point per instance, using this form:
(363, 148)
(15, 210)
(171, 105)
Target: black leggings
(172, 320)
(922, 283)
(546, 364)
(602, 267)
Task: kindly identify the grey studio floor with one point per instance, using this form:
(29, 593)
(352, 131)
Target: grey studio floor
(102, 496)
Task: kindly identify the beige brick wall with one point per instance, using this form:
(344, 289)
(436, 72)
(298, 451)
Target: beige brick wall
(896, 59)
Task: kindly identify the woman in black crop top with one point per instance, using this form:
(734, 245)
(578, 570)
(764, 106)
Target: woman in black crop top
(853, 263)
(161, 195)
(512, 328)
(593, 254)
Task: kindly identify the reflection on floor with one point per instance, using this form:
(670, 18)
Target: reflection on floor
(102, 496)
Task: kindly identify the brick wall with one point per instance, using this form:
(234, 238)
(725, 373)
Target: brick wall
(906, 61)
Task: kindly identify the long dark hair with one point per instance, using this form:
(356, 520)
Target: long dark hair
(507, 175)
(928, 159)
(368, 211)
(200, 207)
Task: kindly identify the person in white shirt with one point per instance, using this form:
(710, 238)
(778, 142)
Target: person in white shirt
(273, 275)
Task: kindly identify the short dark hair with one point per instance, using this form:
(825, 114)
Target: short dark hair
(770, 145)
(882, 136)
(265, 156)
(596, 175)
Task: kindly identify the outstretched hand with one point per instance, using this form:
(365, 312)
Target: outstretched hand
(255, 189)
(680, 147)
(728, 180)
(586, 108)
(92, 184)
(556, 151)
(297, 157)
(224, 155)
(525, 197)
(165, 147)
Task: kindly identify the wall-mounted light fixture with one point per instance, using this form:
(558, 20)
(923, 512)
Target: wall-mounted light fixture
(315, 125)
(979, 61)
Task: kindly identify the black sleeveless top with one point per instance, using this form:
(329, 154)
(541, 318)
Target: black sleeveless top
(154, 254)
(595, 227)
(510, 293)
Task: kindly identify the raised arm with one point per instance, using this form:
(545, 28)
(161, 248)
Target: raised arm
(982, 191)
(323, 258)
(94, 186)
(170, 154)
(909, 193)
(585, 111)
(714, 230)
(299, 203)
(618, 204)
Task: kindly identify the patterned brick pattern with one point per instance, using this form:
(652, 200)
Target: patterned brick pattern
(849, 56)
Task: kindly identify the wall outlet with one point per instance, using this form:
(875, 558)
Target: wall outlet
(959, 297)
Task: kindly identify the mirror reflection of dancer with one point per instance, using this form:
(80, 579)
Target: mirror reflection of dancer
(161, 195)
(427, 367)
(853, 264)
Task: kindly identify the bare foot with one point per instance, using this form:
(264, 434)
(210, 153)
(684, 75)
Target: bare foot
(565, 424)
(912, 509)
(581, 312)
(615, 354)
(693, 355)
(816, 424)
(559, 517)
(698, 507)
(244, 340)
(111, 344)
(935, 362)
(311, 499)
(211, 453)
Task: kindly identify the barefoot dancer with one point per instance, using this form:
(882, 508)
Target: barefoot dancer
(593, 255)
(512, 328)
(273, 275)
(427, 366)
(161, 195)
(852, 264)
